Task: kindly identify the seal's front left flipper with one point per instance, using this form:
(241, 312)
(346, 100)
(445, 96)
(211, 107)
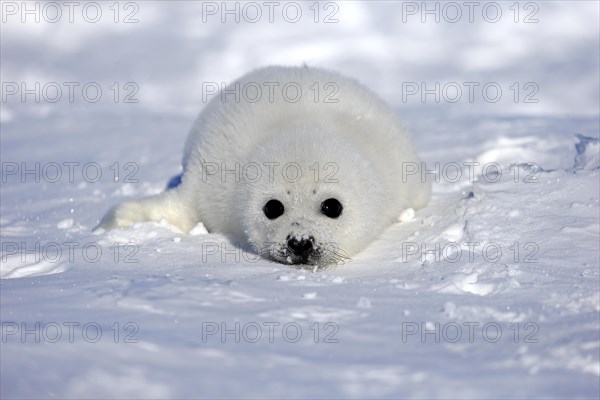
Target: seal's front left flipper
(168, 205)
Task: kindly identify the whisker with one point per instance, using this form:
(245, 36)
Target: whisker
(325, 256)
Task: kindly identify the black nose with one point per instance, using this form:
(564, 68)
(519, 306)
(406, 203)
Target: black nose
(300, 247)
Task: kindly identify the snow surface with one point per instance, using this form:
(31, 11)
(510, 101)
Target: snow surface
(158, 316)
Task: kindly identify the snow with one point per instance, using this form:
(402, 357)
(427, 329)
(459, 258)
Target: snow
(492, 291)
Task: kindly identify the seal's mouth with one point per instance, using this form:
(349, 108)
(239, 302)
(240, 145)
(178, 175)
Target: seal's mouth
(304, 259)
(283, 253)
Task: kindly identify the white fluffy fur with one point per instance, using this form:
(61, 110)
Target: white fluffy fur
(359, 139)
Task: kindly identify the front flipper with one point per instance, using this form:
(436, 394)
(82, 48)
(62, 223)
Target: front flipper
(168, 205)
(406, 215)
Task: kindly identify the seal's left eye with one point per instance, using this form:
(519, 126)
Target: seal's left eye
(273, 209)
(331, 208)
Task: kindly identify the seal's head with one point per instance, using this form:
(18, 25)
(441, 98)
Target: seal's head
(312, 199)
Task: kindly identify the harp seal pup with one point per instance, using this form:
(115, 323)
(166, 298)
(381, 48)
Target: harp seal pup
(302, 163)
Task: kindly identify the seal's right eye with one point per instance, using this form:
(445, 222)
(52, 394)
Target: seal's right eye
(273, 209)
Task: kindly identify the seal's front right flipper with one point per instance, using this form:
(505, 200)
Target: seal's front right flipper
(168, 205)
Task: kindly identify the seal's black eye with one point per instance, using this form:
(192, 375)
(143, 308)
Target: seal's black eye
(331, 208)
(273, 209)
